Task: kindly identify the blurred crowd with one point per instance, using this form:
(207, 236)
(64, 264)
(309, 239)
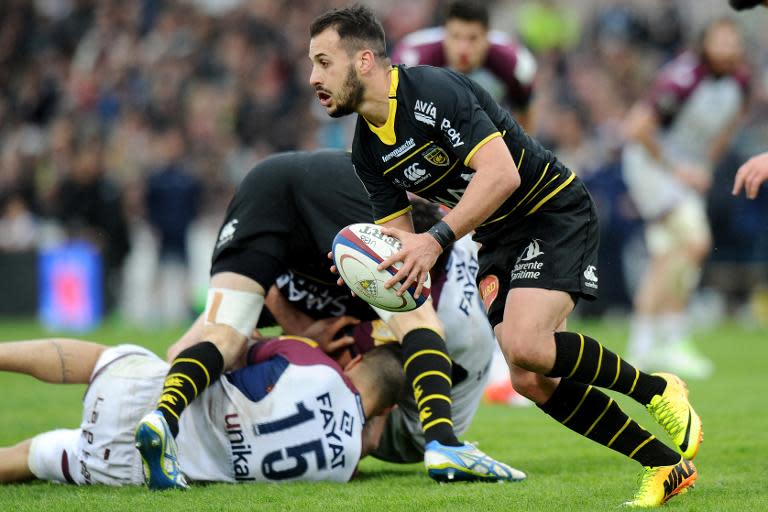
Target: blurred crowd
(129, 124)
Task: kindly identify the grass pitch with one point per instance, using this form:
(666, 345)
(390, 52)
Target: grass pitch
(565, 471)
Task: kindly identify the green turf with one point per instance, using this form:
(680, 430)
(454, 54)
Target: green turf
(566, 472)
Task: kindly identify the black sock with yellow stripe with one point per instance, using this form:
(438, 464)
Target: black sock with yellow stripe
(428, 369)
(588, 411)
(191, 372)
(582, 359)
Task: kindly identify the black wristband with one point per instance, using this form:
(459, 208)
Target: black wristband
(740, 5)
(443, 233)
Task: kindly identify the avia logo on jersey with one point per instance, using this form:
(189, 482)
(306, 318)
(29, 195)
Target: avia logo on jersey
(452, 133)
(409, 144)
(227, 233)
(415, 173)
(426, 112)
(525, 267)
(590, 274)
(238, 448)
(436, 156)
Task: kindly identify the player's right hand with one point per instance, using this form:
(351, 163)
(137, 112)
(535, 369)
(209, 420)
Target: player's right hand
(751, 176)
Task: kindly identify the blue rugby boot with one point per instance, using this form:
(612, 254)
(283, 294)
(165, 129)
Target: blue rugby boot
(466, 464)
(159, 453)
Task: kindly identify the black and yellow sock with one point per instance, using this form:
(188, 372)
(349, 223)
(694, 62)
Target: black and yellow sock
(191, 372)
(428, 369)
(588, 411)
(582, 359)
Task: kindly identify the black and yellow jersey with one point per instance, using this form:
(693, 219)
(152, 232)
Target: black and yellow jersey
(438, 120)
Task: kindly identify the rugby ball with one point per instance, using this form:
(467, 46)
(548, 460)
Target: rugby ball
(358, 249)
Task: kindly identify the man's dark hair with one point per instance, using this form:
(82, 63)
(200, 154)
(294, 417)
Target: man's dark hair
(425, 215)
(466, 10)
(384, 366)
(740, 5)
(357, 27)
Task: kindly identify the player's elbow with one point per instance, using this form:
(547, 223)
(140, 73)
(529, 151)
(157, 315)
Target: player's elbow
(509, 182)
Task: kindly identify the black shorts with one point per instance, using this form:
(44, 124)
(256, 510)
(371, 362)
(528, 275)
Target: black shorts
(554, 249)
(280, 225)
(285, 214)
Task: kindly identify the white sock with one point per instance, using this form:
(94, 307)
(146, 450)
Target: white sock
(499, 371)
(673, 329)
(642, 336)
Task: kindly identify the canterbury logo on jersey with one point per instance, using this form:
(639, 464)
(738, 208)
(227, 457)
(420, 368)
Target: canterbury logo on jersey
(415, 173)
(227, 232)
(590, 274)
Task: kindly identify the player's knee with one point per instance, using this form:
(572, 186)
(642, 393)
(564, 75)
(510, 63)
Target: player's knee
(526, 383)
(699, 249)
(519, 347)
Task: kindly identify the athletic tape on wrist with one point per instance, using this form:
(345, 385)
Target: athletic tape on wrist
(443, 233)
(237, 309)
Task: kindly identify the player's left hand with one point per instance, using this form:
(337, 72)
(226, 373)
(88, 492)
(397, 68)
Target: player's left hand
(418, 253)
(339, 281)
(326, 333)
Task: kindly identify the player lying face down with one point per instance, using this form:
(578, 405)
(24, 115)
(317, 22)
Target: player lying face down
(290, 413)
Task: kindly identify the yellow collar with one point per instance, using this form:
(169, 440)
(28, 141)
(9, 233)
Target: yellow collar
(386, 132)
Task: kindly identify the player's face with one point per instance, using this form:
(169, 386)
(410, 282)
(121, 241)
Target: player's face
(465, 44)
(334, 76)
(724, 48)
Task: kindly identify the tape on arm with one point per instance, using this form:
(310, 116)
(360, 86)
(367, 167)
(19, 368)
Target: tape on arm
(237, 309)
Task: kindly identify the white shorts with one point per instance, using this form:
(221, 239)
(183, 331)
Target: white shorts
(686, 223)
(652, 187)
(125, 384)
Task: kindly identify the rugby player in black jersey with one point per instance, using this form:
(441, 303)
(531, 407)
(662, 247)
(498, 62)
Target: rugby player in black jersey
(283, 218)
(436, 133)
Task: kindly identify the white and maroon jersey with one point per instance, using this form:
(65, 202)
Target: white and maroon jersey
(693, 107)
(507, 73)
(290, 415)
